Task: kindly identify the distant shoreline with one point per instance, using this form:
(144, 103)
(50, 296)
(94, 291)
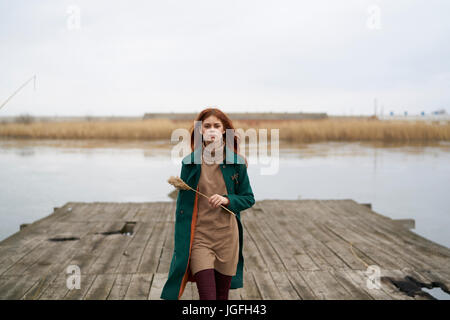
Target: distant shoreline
(301, 131)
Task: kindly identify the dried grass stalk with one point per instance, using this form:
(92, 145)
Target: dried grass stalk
(178, 183)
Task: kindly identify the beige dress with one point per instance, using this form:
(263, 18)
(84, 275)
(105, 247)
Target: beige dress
(216, 235)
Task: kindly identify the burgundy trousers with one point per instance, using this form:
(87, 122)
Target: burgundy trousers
(212, 285)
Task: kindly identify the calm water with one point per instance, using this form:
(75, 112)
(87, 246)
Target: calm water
(399, 182)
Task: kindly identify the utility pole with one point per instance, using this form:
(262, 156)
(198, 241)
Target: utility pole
(375, 106)
(20, 88)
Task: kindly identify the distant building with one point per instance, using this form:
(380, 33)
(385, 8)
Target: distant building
(440, 111)
(242, 115)
(438, 116)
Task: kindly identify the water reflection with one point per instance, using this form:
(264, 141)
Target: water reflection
(399, 181)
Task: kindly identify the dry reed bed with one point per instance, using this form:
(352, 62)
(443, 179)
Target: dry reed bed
(290, 130)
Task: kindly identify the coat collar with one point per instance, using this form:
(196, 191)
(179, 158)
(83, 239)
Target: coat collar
(227, 167)
(231, 157)
(227, 170)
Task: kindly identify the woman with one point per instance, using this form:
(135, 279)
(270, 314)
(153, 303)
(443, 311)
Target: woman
(208, 239)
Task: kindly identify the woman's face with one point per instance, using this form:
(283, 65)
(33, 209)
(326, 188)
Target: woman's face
(212, 129)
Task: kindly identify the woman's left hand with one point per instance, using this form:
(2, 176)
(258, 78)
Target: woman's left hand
(216, 200)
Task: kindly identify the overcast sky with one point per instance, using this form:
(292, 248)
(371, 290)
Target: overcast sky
(131, 57)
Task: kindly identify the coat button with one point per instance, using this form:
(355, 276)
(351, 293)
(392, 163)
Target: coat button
(223, 166)
(181, 211)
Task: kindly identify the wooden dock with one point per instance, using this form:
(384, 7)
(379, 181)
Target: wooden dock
(293, 249)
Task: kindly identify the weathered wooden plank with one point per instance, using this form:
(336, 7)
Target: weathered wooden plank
(188, 292)
(86, 212)
(132, 211)
(146, 212)
(56, 289)
(15, 287)
(15, 253)
(167, 249)
(124, 210)
(139, 288)
(194, 292)
(306, 262)
(50, 260)
(269, 255)
(129, 261)
(285, 287)
(152, 252)
(101, 287)
(45, 249)
(318, 259)
(92, 247)
(301, 286)
(344, 244)
(250, 289)
(370, 254)
(293, 250)
(360, 279)
(275, 234)
(155, 211)
(120, 286)
(397, 239)
(354, 211)
(382, 259)
(266, 286)
(171, 217)
(233, 294)
(395, 250)
(108, 211)
(417, 255)
(21, 243)
(252, 256)
(349, 284)
(325, 286)
(344, 251)
(159, 279)
(81, 247)
(39, 287)
(111, 254)
(86, 282)
(441, 276)
(297, 230)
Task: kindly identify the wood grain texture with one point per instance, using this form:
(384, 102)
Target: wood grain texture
(293, 250)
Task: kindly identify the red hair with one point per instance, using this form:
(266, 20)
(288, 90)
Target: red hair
(226, 123)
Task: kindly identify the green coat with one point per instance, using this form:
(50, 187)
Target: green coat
(241, 197)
